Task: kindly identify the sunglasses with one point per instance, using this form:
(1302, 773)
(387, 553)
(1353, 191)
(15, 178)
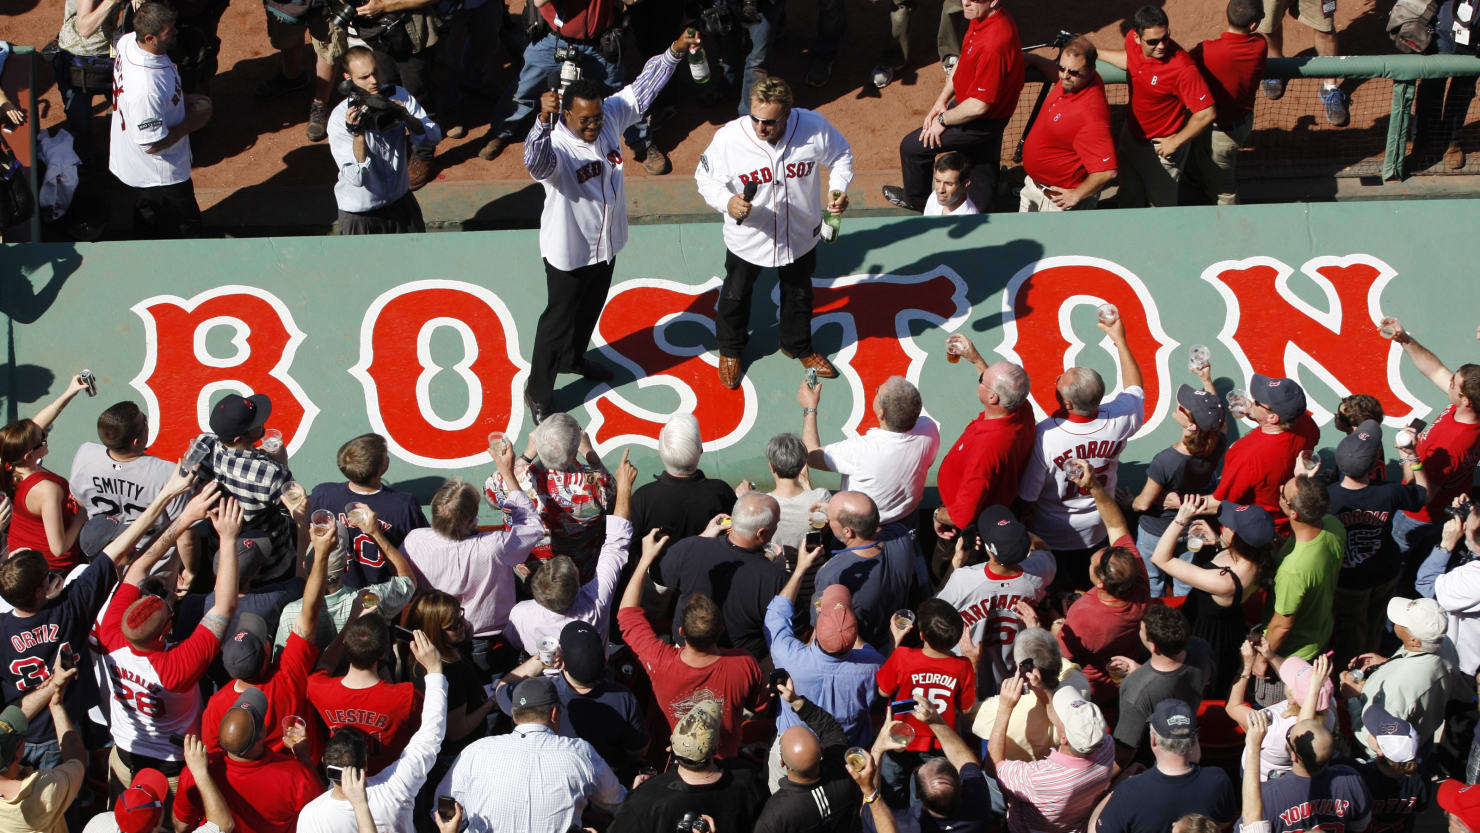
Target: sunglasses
(1153, 41)
(766, 122)
(1072, 73)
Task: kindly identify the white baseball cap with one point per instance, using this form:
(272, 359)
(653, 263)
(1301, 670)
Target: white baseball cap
(1396, 739)
(1084, 726)
(1422, 617)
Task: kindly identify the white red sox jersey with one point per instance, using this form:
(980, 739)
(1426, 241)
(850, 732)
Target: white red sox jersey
(786, 212)
(147, 102)
(1066, 518)
(105, 486)
(986, 600)
(585, 216)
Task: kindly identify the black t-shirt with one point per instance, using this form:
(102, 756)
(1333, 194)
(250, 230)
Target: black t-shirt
(680, 506)
(398, 513)
(31, 644)
(1396, 802)
(1152, 801)
(892, 579)
(608, 717)
(741, 582)
(1372, 556)
(1183, 474)
(1146, 686)
(973, 812)
(658, 804)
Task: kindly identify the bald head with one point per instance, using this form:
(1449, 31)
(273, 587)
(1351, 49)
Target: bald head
(1080, 389)
(1311, 745)
(854, 517)
(755, 516)
(802, 754)
(239, 735)
(938, 785)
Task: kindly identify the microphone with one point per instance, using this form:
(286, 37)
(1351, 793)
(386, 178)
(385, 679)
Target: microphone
(750, 189)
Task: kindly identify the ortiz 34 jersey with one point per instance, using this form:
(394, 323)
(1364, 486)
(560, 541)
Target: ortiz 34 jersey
(986, 600)
(786, 212)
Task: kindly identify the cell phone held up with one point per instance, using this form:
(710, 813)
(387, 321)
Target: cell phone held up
(446, 807)
(777, 678)
(902, 707)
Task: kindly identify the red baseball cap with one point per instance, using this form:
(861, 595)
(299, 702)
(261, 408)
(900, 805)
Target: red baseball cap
(141, 807)
(1462, 801)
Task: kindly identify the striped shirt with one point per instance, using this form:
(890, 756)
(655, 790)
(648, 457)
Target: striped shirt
(1056, 794)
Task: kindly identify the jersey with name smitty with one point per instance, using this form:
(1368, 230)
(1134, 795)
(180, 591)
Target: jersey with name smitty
(786, 211)
(147, 102)
(986, 602)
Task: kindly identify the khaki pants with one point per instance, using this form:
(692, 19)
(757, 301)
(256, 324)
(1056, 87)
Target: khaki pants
(1147, 178)
(120, 777)
(1214, 158)
(1034, 199)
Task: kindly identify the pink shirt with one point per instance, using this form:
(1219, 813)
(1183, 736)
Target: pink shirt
(1056, 794)
(529, 621)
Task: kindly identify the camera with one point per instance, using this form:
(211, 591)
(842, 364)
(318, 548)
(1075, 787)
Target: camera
(718, 19)
(344, 13)
(378, 111)
(1062, 38)
(1461, 511)
(569, 60)
(692, 822)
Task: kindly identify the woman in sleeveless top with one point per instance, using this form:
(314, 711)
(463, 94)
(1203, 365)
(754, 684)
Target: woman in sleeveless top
(45, 517)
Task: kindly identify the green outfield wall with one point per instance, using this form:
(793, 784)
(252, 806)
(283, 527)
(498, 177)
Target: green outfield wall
(424, 338)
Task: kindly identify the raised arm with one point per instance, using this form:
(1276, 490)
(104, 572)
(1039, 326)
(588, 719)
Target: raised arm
(1007, 700)
(806, 558)
(652, 546)
(307, 625)
(955, 749)
(1216, 582)
(810, 398)
(1115, 523)
(626, 479)
(196, 510)
(1130, 371)
(227, 519)
(1253, 799)
(1423, 358)
(46, 416)
(121, 548)
(217, 811)
(1235, 707)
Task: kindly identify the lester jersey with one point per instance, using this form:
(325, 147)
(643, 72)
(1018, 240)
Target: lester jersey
(147, 102)
(105, 486)
(986, 600)
(786, 213)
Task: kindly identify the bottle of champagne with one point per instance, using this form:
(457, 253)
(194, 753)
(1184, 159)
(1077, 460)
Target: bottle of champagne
(698, 63)
(832, 222)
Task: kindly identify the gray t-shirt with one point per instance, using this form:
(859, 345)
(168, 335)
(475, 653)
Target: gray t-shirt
(1146, 686)
(792, 529)
(105, 486)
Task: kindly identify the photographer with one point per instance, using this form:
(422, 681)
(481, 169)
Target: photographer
(367, 135)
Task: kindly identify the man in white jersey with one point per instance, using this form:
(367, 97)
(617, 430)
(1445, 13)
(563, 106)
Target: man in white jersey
(152, 119)
(986, 594)
(574, 151)
(948, 197)
(1081, 429)
(760, 172)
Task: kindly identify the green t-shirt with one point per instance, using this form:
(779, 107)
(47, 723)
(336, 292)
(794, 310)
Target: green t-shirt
(1304, 586)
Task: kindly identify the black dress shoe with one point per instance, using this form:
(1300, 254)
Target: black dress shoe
(536, 412)
(590, 370)
(895, 195)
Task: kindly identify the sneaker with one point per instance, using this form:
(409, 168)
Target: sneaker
(1454, 157)
(280, 85)
(494, 147)
(882, 75)
(1274, 88)
(318, 121)
(456, 131)
(895, 195)
(819, 73)
(655, 162)
(1335, 102)
(949, 65)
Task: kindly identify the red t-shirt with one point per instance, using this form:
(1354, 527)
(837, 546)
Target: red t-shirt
(991, 66)
(735, 677)
(1259, 463)
(1096, 630)
(1449, 450)
(1162, 92)
(984, 466)
(1071, 138)
(28, 530)
(388, 712)
(1232, 67)
(582, 19)
(948, 683)
(265, 796)
(286, 692)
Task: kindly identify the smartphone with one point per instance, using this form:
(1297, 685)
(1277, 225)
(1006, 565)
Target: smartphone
(813, 539)
(899, 707)
(336, 774)
(68, 659)
(1417, 426)
(401, 632)
(779, 677)
(446, 807)
(1026, 667)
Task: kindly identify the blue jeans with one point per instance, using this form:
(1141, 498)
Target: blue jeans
(1146, 543)
(760, 35)
(46, 755)
(539, 63)
(1414, 538)
(832, 19)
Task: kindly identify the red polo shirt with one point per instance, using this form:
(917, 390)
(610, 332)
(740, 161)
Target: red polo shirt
(1232, 67)
(1162, 92)
(991, 66)
(1071, 138)
(1259, 463)
(983, 468)
(581, 19)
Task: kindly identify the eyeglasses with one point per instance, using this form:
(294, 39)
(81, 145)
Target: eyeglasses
(1072, 73)
(766, 122)
(587, 121)
(1154, 41)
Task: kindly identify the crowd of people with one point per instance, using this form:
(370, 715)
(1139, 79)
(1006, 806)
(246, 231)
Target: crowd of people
(1267, 632)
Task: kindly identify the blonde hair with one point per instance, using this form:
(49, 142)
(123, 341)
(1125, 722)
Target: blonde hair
(772, 90)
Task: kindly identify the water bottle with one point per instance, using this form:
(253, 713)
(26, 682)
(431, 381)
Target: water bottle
(832, 223)
(698, 64)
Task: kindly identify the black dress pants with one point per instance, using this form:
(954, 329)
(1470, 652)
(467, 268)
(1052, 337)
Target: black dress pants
(575, 299)
(732, 321)
(980, 140)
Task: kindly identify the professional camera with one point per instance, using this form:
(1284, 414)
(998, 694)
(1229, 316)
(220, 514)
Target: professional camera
(692, 822)
(569, 59)
(718, 19)
(1062, 39)
(378, 111)
(344, 13)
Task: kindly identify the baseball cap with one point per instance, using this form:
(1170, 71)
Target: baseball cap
(1462, 801)
(534, 693)
(13, 726)
(696, 737)
(1084, 726)
(140, 808)
(1173, 718)
(1281, 395)
(1397, 740)
(145, 619)
(1296, 674)
(1360, 450)
(253, 552)
(837, 627)
(237, 415)
(1422, 617)
(1251, 523)
(1003, 535)
(243, 652)
(253, 701)
(1206, 408)
(585, 655)
(98, 533)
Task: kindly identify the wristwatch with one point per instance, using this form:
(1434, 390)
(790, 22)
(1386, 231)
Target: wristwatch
(806, 411)
(872, 798)
(941, 118)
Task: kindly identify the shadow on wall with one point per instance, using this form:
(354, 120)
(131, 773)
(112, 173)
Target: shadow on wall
(29, 284)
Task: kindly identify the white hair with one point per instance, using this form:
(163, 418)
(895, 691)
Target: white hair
(556, 441)
(679, 445)
(1011, 385)
(755, 511)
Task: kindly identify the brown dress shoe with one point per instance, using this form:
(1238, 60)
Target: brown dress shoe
(1454, 157)
(420, 171)
(815, 361)
(494, 147)
(729, 372)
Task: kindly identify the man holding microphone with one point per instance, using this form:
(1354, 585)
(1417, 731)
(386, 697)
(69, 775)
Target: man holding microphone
(574, 151)
(761, 172)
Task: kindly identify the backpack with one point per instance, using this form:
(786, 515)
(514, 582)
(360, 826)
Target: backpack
(1411, 25)
(17, 203)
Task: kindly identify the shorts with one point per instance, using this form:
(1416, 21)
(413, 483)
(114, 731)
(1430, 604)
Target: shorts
(329, 41)
(1309, 13)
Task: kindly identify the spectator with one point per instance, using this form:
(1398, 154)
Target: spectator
(1177, 670)
(1316, 792)
(477, 568)
(44, 517)
(1030, 734)
(1257, 465)
(817, 793)
(152, 122)
(287, 22)
(1187, 468)
(1232, 66)
(364, 461)
(1068, 155)
(391, 794)
(835, 670)
(891, 462)
(729, 791)
(1059, 792)
(730, 674)
(881, 567)
(987, 595)
(531, 778)
(1170, 107)
(1447, 108)
(1197, 823)
(946, 681)
(753, 37)
(1106, 621)
(1175, 786)
(1323, 28)
(681, 500)
(569, 495)
(36, 799)
(83, 67)
(984, 87)
(558, 596)
(733, 570)
(142, 806)
(1461, 805)
(386, 713)
(832, 19)
(948, 186)
(1371, 565)
(1300, 620)
(1413, 684)
(1399, 792)
(1354, 410)
(786, 456)
(439, 616)
(604, 713)
(1457, 591)
(1087, 430)
(950, 791)
(254, 477)
(1308, 695)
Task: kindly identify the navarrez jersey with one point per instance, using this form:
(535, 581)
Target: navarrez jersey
(986, 600)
